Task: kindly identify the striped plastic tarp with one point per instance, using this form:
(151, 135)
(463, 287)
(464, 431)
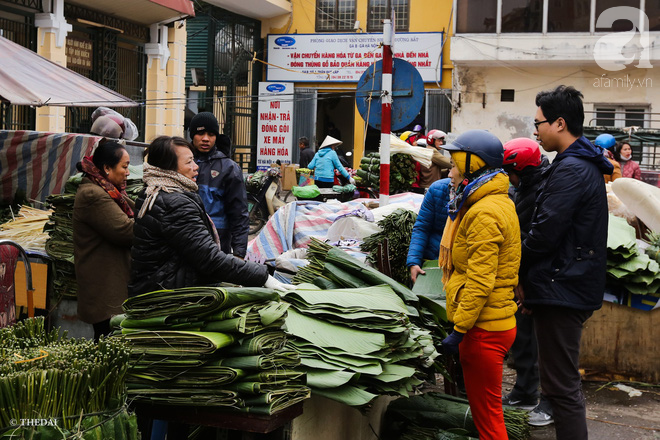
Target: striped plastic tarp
(39, 163)
(294, 225)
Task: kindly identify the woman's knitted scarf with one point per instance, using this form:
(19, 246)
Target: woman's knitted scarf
(456, 210)
(117, 194)
(158, 179)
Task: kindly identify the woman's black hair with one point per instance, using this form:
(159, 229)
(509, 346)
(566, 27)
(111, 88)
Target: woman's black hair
(162, 154)
(617, 149)
(106, 154)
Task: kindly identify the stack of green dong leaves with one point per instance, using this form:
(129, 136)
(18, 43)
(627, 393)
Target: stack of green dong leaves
(402, 174)
(212, 346)
(55, 387)
(627, 267)
(59, 246)
(356, 338)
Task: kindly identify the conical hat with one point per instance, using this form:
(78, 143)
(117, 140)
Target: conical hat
(329, 141)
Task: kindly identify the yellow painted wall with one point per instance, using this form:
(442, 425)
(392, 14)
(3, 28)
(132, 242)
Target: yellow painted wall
(50, 119)
(425, 16)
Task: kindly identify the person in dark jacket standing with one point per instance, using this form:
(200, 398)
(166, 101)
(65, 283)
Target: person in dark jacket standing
(175, 242)
(102, 236)
(306, 153)
(525, 164)
(221, 183)
(430, 222)
(564, 256)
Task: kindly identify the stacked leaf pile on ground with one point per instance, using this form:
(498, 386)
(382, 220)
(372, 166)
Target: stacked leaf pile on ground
(361, 336)
(434, 416)
(75, 385)
(211, 346)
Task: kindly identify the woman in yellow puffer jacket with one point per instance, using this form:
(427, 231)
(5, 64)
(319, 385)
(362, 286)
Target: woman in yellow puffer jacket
(480, 257)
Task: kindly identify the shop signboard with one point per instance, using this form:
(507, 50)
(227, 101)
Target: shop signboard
(78, 53)
(344, 57)
(275, 124)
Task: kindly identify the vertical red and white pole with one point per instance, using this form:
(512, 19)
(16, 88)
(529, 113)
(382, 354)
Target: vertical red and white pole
(386, 114)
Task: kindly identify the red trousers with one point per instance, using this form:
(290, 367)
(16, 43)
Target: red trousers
(482, 355)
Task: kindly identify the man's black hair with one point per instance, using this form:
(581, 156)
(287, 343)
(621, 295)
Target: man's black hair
(563, 102)
(303, 140)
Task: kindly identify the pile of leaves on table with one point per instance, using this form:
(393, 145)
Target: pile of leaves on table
(396, 228)
(397, 325)
(211, 346)
(402, 171)
(62, 386)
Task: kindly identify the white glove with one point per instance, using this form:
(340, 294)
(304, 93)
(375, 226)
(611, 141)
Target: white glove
(272, 283)
(351, 181)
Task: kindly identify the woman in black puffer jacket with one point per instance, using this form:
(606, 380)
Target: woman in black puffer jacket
(175, 242)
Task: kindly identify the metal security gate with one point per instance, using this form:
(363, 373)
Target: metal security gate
(220, 49)
(304, 119)
(18, 26)
(438, 110)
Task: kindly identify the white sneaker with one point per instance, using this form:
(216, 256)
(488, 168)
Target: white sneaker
(538, 417)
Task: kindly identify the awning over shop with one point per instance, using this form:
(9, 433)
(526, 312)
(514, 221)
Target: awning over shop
(27, 78)
(144, 12)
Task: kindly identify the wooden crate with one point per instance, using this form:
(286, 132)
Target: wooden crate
(622, 341)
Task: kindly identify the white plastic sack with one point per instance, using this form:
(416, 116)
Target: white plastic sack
(351, 228)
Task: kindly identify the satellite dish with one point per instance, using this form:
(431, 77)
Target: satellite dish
(407, 94)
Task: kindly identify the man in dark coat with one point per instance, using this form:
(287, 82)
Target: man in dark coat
(525, 165)
(221, 184)
(564, 256)
(306, 153)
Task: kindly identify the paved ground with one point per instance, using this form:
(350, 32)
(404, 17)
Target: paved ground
(611, 413)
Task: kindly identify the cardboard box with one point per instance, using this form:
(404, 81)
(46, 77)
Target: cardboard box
(289, 179)
(622, 340)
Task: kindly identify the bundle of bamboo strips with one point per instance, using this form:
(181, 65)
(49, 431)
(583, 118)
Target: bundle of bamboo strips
(27, 228)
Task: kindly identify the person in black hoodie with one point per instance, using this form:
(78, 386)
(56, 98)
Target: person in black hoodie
(564, 255)
(525, 164)
(221, 184)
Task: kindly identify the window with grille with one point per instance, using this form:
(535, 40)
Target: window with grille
(519, 16)
(335, 15)
(379, 10)
(619, 116)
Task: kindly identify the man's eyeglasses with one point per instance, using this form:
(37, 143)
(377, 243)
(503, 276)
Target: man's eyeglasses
(536, 124)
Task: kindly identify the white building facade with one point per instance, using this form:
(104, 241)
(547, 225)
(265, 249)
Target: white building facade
(505, 51)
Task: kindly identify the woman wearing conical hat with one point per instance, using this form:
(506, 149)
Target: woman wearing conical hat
(325, 163)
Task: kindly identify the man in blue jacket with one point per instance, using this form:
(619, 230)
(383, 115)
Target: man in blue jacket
(221, 184)
(564, 256)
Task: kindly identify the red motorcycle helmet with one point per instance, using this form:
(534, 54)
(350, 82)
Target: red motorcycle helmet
(521, 153)
(432, 135)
